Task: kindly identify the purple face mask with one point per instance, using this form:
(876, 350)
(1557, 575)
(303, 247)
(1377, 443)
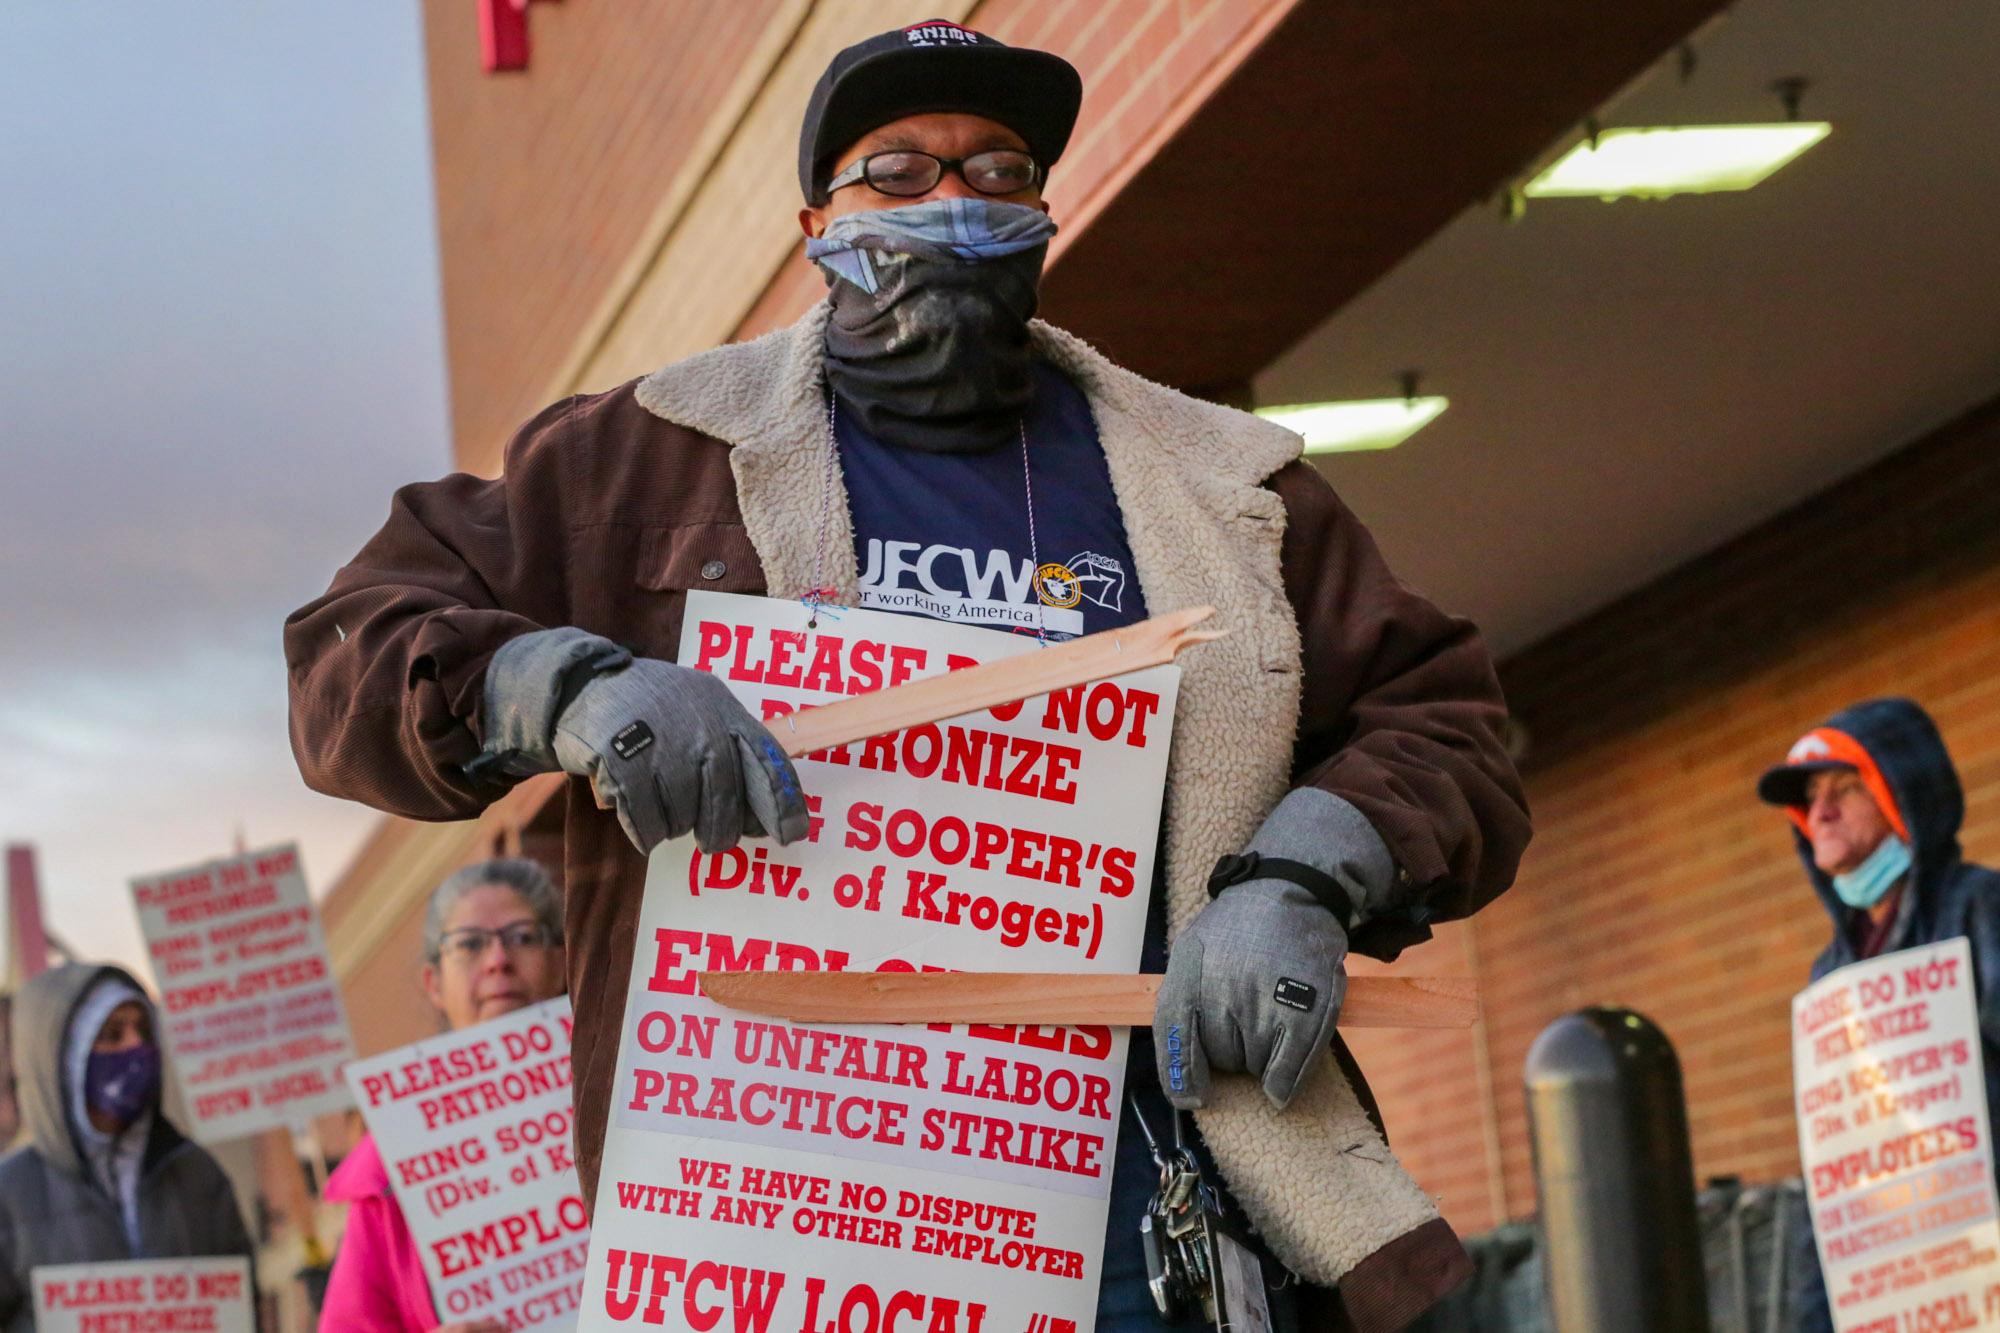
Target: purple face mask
(121, 1084)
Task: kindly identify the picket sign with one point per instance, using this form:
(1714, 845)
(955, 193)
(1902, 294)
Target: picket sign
(951, 1179)
(250, 1011)
(212, 1295)
(1050, 997)
(474, 1128)
(1890, 1090)
(251, 1016)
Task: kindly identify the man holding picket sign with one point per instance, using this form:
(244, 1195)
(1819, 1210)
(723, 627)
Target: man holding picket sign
(1875, 805)
(919, 443)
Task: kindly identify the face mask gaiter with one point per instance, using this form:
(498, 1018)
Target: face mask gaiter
(928, 344)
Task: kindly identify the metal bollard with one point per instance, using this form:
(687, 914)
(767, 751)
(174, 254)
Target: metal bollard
(1615, 1177)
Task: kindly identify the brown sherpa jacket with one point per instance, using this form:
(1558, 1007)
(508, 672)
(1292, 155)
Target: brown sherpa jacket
(710, 474)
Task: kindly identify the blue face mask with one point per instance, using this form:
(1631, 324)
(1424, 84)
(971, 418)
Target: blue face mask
(121, 1084)
(1865, 885)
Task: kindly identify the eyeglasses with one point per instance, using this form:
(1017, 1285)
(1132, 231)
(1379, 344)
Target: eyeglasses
(470, 944)
(907, 173)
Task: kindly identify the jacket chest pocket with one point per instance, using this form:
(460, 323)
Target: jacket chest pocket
(672, 562)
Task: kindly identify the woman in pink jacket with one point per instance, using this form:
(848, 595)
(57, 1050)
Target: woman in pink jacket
(492, 944)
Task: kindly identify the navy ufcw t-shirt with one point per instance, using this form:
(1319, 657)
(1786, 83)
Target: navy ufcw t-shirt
(947, 535)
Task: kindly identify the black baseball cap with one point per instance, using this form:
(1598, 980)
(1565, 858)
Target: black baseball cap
(936, 65)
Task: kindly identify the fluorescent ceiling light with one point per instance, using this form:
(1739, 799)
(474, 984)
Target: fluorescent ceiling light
(1367, 423)
(1679, 159)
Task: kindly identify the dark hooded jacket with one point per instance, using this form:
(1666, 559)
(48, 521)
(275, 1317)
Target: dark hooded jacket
(52, 1211)
(1945, 896)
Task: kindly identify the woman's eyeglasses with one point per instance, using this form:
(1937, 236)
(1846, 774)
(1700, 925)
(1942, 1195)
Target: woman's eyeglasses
(907, 173)
(470, 944)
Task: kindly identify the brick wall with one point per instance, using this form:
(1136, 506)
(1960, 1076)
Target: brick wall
(386, 1004)
(547, 179)
(1656, 880)
(1146, 65)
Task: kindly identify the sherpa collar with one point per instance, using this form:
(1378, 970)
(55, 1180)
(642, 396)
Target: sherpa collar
(767, 399)
(776, 403)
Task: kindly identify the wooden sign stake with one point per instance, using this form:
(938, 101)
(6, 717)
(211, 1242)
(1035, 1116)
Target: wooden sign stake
(1117, 1000)
(1094, 657)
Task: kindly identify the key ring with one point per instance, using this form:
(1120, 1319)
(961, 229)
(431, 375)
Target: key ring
(1146, 1130)
(1195, 1259)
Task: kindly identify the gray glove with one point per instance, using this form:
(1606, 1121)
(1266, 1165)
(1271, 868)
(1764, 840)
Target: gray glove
(1255, 982)
(669, 748)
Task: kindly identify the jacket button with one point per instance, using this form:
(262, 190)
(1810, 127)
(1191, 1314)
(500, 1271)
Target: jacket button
(713, 570)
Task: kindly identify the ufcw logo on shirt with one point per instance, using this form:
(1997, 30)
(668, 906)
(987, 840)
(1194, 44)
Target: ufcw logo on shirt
(996, 587)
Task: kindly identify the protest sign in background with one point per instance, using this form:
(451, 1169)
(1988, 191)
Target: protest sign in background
(801, 1177)
(1893, 1135)
(474, 1131)
(145, 1296)
(252, 1015)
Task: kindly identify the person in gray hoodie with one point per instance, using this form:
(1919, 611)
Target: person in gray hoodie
(98, 1173)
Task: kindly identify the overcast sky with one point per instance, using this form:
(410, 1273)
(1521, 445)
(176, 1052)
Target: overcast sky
(220, 350)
